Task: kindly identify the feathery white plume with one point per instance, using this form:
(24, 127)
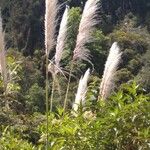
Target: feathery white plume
(3, 68)
(82, 89)
(61, 37)
(110, 68)
(50, 24)
(88, 21)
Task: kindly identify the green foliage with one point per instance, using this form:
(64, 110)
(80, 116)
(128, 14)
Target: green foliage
(25, 83)
(35, 98)
(14, 67)
(120, 123)
(73, 24)
(143, 77)
(98, 49)
(127, 37)
(23, 24)
(9, 140)
(134, 47)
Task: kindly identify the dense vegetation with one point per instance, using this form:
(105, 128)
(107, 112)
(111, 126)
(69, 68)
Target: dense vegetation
(121, 122)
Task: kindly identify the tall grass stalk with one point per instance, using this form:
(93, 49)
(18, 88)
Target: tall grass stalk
(111, 65)
(61, 39)
(68, 86)
(50, 26)
(3, 62)
(47, 102)
(86, 26)
(52, 93)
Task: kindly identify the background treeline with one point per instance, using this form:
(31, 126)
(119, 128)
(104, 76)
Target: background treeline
(23, 20)
(124, 21)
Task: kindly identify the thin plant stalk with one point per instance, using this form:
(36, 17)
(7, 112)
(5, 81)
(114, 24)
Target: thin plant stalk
(58, 88)
(47, 104)
(52, 93)
(68, 86)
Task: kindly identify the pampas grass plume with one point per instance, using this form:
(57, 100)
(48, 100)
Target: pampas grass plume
(61, 37)
(87, 23)
(50, 24)
(82, 89)
(111, 65)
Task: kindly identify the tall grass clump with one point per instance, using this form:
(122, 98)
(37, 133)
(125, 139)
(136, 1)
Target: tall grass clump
(55, 67)
(111, 65)
(86, 26)
(50, 26)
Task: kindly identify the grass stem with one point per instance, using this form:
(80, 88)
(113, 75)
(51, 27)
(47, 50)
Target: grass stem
(68, 87)
(47, 108)
(52, 93)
